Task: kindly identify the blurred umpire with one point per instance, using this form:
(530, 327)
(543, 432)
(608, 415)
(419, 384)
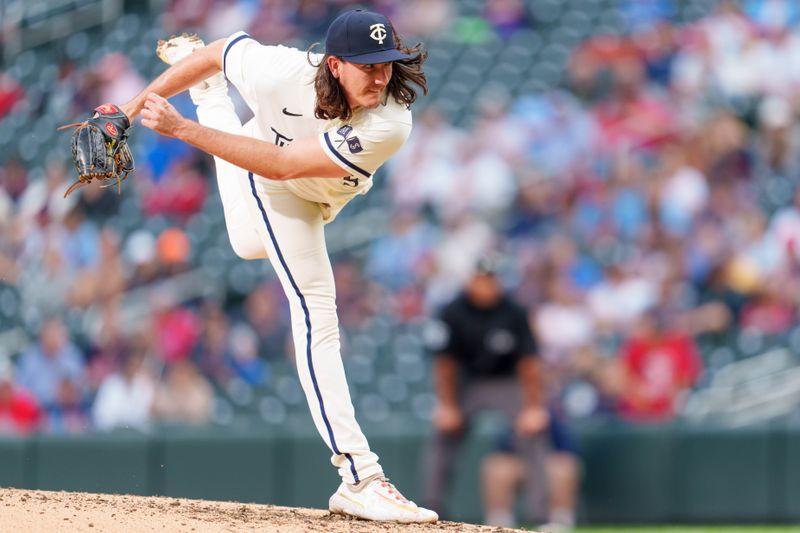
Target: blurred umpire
(485, 360)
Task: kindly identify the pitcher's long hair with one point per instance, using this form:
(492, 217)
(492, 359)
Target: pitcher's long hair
(331, 102)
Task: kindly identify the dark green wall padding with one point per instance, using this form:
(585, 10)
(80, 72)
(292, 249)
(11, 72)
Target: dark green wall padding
(632, 474)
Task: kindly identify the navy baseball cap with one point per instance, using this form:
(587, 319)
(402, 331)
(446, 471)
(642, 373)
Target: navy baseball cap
(362, 37)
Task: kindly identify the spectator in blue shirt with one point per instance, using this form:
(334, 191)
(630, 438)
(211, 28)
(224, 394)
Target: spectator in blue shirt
(47, 363)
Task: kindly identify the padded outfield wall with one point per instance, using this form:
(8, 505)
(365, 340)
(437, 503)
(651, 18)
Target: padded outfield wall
(633, 475)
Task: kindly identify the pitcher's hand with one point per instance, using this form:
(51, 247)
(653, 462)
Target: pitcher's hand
(160, 116)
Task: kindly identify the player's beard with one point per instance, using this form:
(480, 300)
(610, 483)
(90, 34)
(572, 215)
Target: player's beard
(375, 98)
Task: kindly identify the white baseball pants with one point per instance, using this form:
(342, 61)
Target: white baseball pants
(264, 219)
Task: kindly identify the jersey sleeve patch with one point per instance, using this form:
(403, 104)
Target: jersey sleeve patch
(353, 144)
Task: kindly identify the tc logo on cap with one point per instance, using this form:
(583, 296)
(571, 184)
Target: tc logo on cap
(378, 32)
(363, 38)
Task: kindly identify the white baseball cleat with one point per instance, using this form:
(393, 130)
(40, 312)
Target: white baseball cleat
(178, 47)
(378, 500)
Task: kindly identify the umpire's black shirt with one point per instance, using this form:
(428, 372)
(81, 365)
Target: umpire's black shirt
(486, 342)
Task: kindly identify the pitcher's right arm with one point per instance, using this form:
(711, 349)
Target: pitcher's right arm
(191, 70)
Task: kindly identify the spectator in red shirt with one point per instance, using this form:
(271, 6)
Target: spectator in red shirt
(769, 311)
(176, 333)
(634, 117)
(11, 92)
(19, 412)
(180, 196)
(658, 363)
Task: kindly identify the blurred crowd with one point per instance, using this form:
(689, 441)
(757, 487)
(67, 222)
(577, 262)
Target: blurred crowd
(645, 209)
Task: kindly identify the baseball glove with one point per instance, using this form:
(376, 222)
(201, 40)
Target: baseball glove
(100, 148)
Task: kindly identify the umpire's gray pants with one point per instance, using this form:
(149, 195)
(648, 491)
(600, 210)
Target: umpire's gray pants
(501, 396)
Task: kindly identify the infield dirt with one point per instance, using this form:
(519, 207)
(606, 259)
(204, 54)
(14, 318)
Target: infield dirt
(23, 511)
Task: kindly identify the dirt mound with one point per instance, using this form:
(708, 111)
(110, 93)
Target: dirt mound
(37, 510)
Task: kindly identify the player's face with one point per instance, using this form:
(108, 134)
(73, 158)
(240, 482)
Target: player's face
(363, 85)
(484, 290)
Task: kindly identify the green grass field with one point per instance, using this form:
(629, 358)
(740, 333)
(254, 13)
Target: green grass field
(690, 529)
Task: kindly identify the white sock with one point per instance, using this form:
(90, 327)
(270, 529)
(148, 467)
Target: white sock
(213, 87)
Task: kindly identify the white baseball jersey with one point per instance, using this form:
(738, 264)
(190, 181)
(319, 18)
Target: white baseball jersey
(277, 83)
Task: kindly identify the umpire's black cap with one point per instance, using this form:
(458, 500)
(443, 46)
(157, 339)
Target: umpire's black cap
(488, 265)
(362, 37)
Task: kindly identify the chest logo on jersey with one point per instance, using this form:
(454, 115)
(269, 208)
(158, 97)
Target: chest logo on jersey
(378, 32)
(353, 143)
(280, 139)
(499, 341)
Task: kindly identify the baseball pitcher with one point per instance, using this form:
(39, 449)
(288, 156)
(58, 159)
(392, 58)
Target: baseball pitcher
(323, 125)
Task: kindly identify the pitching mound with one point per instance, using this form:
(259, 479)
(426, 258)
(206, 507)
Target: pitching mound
(37, 510)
